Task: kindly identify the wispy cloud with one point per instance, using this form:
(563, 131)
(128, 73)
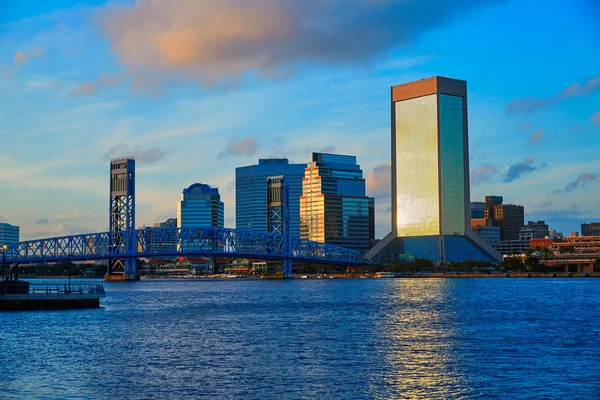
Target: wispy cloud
(23, 56)
(517, 170)
(578, 89)
(89, 88)
(536, 136)
(43, 221)
(141, 155)
(185, 39)
(595, 117)
(240, 147)
(379, 181)
(582, 180)
(483, 173)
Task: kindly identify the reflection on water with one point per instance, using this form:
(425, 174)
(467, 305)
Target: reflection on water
(419, 339)
(362, 338)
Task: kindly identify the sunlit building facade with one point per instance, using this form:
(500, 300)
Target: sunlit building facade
(431, 207)
(200, 207)
(251, 204)
(334, 208)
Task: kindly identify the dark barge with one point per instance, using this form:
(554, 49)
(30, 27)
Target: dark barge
(22, 295)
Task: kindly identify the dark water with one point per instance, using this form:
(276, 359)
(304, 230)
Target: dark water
(338, 339)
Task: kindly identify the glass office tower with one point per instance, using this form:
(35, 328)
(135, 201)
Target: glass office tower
(251, 193)
(333, 207)
(200, 207)
(430, 174)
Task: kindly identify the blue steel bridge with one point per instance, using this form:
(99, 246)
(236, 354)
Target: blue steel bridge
(178, 242)
(122, 245)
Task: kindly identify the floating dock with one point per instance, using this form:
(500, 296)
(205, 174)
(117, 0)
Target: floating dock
(21, 295)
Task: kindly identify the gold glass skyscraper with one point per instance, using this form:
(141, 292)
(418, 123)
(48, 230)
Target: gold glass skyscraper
(430, 174)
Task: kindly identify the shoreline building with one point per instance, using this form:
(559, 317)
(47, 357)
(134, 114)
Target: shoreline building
(251, 204)
(334, 207)
(431, 208)
(8, 233)
(200, 207)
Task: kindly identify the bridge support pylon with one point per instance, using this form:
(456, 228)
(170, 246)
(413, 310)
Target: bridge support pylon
(122, 221)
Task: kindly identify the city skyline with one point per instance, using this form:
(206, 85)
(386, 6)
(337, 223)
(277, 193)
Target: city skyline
(73, 99)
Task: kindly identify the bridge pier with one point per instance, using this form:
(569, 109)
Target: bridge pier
(120, 277)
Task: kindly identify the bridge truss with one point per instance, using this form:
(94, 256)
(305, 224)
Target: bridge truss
(179, 242)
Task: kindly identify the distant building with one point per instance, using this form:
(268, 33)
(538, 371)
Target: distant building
(590, 229)
(200, 207)
(490, 203)
(169, 223)
(510, 218)
(8, 233)
(477, 210)
(334, 208)
(431, 211)
(491, 234)
(251, 193)
(540, 229)
(507, 247)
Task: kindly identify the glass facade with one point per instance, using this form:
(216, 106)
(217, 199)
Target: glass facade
(251, 210)
(333, 207)
(200, 207)
(452, 165)
(8, 233)
(417, 169)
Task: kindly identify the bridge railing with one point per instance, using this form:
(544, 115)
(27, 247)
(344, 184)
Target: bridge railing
(157, 242)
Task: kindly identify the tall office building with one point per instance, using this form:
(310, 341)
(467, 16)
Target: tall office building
(510, 218)
(430, 175)
(8, 233)
(333, 207)
(251, 193)
(200, 207)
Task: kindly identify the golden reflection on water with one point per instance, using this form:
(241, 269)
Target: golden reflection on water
(418, 339)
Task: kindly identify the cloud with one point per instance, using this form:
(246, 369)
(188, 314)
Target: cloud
(379, 181)
(217, 42)
(582, 180)
(3, 218)
(22, 56)
(531, 104)
(43, 221)
(140, 155)
(595, 117)
(89, 88)
(536, 136)
(482, 174)
(316, 149)
(240, 147)
(405, 63)
(517, 170)
(67, 230)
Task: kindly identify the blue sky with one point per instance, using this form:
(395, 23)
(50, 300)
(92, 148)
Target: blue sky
(194, 88)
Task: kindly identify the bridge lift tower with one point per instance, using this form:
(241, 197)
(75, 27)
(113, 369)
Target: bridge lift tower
(122, 220)
(278, 216)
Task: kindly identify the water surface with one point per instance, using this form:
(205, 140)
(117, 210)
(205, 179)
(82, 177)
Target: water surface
(325, 338)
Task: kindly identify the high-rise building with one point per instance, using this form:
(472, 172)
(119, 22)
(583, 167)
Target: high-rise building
(200, 207)
(590, 229)
(251, 193)
(430, 175)
(510, 218)
(334, 208)
(477, 209)
(8, 233)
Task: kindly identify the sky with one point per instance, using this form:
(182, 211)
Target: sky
(195, 88)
